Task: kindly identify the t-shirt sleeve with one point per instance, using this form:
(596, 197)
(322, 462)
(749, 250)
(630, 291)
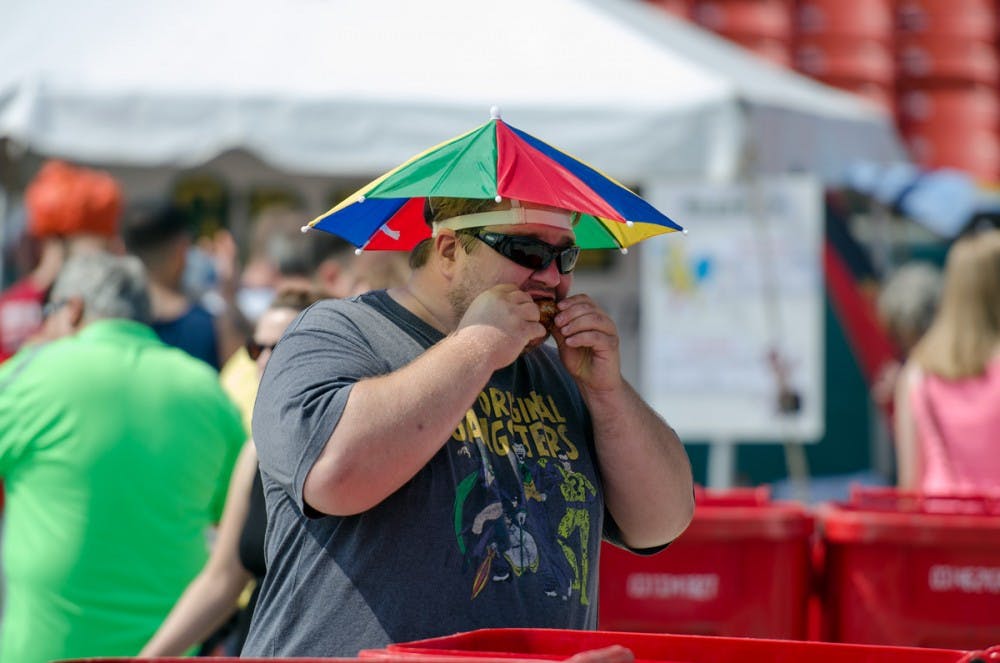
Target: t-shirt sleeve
(304, 390)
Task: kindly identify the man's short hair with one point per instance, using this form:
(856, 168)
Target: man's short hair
(150, 226)
(110, 286)
(439, 209)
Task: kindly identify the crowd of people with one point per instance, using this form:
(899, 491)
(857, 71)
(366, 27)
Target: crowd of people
(133, 516)
(333, 452)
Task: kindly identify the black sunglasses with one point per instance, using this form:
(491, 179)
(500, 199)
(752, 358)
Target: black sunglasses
(530, 252)
(254, 348)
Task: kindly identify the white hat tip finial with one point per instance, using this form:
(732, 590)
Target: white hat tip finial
(624, 250)
(358, 252)
(629, 224)
(684, 230)
(498, 198)
(494, 112)
(305, 229)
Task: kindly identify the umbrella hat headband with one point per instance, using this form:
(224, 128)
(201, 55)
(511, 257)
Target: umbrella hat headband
(516, 215)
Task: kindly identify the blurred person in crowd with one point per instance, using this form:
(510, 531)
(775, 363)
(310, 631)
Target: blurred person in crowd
(947, 420)
(430, 466)
(908, 301)
(69, 210)
(161, 236)
(281, 257)
(906, 305)
(237, 557)
(116, 450)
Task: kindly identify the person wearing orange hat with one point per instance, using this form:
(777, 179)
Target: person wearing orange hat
(70, 209)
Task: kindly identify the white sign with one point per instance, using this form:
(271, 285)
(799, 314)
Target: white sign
(731, 329)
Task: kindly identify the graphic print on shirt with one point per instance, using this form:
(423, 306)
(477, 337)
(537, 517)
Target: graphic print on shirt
(522, 508)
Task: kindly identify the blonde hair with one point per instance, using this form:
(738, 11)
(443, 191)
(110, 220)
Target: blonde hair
(965, 334)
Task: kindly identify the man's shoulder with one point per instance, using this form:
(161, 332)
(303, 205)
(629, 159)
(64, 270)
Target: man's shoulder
(351, 311)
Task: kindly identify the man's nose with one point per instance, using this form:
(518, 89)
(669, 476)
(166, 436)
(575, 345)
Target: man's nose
(550, 276)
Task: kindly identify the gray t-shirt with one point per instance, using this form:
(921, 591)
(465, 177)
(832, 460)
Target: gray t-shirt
(502, 528)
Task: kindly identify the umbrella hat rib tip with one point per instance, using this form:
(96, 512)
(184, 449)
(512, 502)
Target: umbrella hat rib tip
(495, 112)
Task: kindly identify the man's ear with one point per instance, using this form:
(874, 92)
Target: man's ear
(446, 245)
(74, 308)
(333, 278)
(64, 321)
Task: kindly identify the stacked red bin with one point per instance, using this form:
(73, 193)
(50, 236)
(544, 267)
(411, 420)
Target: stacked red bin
(912, 570)
(847, 44)
(948, 109)
(742, 568)
(761, 26)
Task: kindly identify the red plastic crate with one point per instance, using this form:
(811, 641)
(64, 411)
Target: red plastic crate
(914, 570)
(218, 659)
(384, 657)
(742, 568)
(555, 644)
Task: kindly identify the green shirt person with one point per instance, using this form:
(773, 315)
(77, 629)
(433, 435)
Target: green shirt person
(115, 451)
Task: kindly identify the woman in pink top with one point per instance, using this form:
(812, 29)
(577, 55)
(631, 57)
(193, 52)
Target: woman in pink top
(948, 400)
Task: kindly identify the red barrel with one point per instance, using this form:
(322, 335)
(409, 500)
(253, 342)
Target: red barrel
(847, 44)
(760, 18)
(961, 19)
(969, 106)
(974, 150)
(940, 59)
(871, 19)
(845, 57)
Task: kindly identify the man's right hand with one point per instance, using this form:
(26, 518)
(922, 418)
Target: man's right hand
(505, 320)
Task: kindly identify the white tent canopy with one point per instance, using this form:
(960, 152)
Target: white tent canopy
(346, 88)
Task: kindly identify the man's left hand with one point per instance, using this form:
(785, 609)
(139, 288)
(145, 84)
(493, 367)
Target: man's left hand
(588, 343)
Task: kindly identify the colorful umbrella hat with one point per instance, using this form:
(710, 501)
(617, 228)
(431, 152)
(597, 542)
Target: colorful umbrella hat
(495, 161)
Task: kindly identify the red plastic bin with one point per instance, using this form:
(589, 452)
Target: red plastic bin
(216, 659)
(556, 644)
(906, 569)
(742, 568)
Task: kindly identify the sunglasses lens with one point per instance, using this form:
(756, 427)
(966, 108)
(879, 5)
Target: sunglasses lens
(529, 253)
(567, 259)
